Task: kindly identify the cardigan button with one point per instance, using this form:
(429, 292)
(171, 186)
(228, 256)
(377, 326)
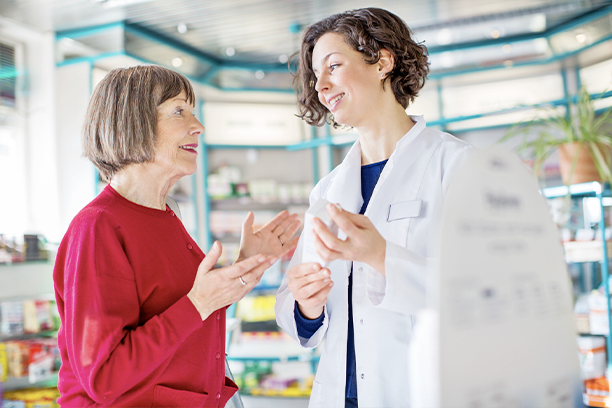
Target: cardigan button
(172, 213)
(218, 356)
(361, 321)
(189, 246)
(362, 376)
(218, 395)
(218, 316)
(360, 269)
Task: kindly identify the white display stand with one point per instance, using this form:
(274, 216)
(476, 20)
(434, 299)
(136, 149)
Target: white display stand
(500, 332)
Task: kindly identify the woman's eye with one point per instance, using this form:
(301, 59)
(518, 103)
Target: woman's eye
(178, 111)
(333, 66)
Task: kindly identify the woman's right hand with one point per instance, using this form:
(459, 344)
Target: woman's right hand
(217, 288)
(310, 284)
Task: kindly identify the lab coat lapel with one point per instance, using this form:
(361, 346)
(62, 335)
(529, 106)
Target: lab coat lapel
(399, 182)
(345, 189)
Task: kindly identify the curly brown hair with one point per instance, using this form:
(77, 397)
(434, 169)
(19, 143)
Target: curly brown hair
(367, 30)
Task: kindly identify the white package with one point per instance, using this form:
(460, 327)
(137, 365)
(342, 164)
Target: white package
(309, 253)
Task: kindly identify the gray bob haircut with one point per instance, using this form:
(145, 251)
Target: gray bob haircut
(120, 125)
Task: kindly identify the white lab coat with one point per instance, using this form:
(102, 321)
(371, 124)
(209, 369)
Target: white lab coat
(405, 208)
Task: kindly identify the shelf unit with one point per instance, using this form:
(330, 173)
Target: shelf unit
(27, 280)
(599, 191)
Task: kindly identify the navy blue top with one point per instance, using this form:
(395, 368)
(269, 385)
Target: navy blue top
(370, 174)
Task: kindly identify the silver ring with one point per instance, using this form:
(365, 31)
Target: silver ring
(282, 243)
(241, 280)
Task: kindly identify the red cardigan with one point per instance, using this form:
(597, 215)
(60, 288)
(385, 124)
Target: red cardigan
(129, 334)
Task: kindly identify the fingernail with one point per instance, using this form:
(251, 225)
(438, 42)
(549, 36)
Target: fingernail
(273, 260)
(326, 280)
(315, 267)
(261, 259)
(338, 206)
(325, 272)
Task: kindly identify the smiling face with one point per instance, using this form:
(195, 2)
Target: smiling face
(178, 131)
(347, 86)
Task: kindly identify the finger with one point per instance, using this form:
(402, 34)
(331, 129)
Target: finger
(253, 276)
(290, 229)
(343, 219)
(328, 254)
(247, 224)
(276, 221)
(302, 270)
(327, 238)
(244, 266)
(322, 275)
(282, 227)
(211, 258)
(290, 245)
(315, 293)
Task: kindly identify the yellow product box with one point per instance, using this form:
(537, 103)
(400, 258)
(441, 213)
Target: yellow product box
(3, 363)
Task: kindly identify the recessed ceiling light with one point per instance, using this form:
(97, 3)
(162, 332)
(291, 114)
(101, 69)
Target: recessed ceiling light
(259, 74)
(506, 48)
(495, 33)
(230, 52)
(508, 63)
(283, 58)
(581, 37)
(177, 62)
(181, 28)
(444, 37)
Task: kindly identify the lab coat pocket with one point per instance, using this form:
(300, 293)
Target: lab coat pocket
(405, 209)
(170, 397)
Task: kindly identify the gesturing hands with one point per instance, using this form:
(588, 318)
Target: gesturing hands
(217, 288)
(274, 238)
(363, 243)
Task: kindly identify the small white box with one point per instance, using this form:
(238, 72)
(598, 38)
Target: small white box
(309, 253)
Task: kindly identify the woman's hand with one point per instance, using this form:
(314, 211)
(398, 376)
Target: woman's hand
(310, 284)
(363, 243)
(217, 288)
(274, 238)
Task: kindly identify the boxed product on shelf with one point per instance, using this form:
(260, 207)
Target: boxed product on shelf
(581, 314)
(597, 392)
(36, 359)
(3, 363)
(37, 316)
(31, 398)
(11, 317)
(592, 354)
(598, 315)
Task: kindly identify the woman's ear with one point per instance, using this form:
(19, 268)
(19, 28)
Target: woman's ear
(385, 63)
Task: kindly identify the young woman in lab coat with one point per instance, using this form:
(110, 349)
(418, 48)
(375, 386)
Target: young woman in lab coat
(362, 68)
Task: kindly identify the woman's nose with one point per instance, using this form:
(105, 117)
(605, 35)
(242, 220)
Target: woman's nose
(322, 84)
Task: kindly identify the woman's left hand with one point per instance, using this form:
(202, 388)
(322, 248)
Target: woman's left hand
(274, 238)
(363, 241)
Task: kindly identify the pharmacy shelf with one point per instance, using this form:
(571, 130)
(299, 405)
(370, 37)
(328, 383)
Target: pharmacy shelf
(248, 204)
(20, 383)
(599, 190)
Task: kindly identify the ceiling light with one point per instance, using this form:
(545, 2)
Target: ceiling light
(506, 48)
(230, 52)
(181, 28)
(537, 23)
(444, 36)
(495, 33)
(508, 63)
(283, 58)
(177, 62)
(259, 74)
(581, 37)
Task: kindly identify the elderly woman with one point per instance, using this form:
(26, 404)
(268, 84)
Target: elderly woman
(142, 308)
(362, 68)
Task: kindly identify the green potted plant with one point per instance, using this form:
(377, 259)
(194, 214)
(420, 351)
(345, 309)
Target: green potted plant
(583, 139)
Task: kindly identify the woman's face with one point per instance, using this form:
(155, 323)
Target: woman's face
(347, 86)
(177, 136)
